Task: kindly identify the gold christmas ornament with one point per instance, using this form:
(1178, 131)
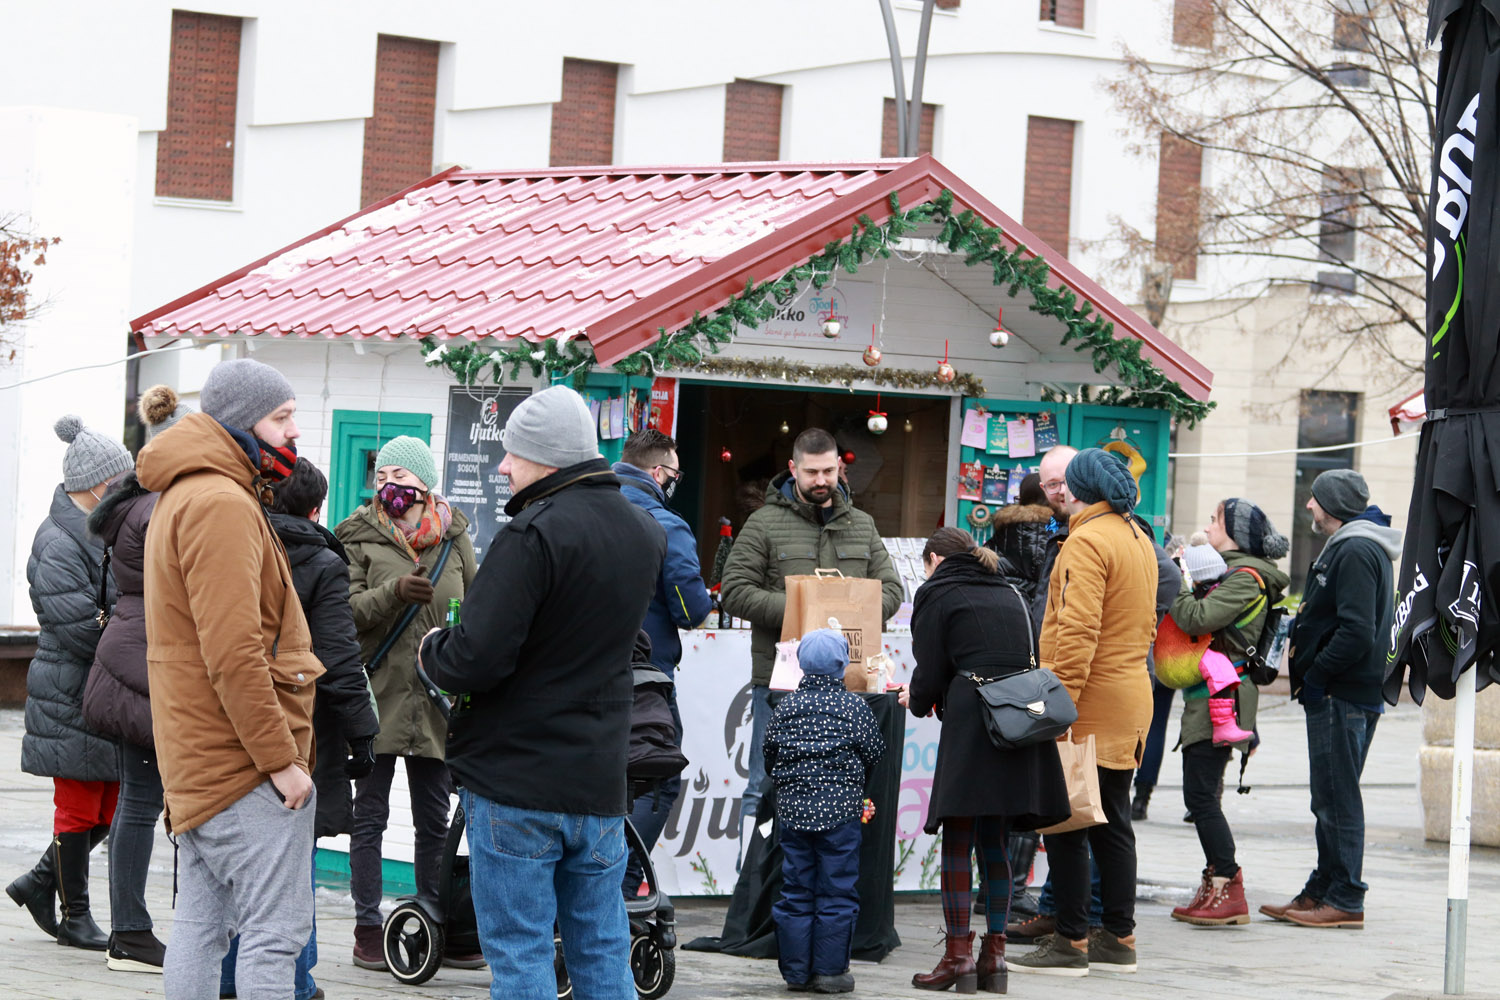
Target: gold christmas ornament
(908, 427)
(945, 372)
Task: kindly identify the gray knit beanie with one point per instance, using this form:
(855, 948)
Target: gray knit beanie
(1252, 531)
(91, 457)
(1203, 562)
(159, 408)
(1342, 493)
(241, 393)
(553, 428)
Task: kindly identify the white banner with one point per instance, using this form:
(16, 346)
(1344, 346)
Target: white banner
(854, 305)
(697, 851)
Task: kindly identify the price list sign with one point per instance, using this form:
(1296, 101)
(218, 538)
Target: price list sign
(471, 465)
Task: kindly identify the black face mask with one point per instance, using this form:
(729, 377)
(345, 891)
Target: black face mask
(669, 488)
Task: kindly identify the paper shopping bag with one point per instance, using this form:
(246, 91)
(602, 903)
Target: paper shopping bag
(1081, 769)
(854, 602)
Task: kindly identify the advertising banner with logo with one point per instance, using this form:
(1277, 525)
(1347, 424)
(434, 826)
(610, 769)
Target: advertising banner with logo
(471, 464)
(854, 305)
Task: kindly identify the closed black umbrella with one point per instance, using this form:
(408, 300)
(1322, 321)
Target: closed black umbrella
(1447, 626)
(1446, 618)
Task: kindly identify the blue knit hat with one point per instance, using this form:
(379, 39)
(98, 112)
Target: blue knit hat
(823, 652)
(1095, 474)
(413, 455)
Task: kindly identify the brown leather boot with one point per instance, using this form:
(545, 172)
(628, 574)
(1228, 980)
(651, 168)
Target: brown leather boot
(1225, 904)
(991, 963)
(956, 968)
(1205, 889)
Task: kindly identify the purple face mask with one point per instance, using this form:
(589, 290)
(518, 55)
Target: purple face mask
(398, 499)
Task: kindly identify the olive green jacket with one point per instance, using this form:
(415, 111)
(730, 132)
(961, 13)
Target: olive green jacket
(410, 725)
(785, 538)
(1235, 601)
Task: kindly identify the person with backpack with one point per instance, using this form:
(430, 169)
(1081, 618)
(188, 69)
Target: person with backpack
(407, 550)
(1234, 612)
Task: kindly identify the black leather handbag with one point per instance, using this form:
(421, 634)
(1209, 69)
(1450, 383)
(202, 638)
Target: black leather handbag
(1027, 707)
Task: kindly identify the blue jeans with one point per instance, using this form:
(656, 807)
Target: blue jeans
(760, 716)
(1047, 906)
(649, 813)
(306, 959)
(819, 901)
(531, 870)
(1338, 740)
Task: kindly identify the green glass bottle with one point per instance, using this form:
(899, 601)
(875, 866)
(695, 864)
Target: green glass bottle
(454, 603)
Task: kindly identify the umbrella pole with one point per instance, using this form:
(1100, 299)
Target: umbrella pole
(1458, 833)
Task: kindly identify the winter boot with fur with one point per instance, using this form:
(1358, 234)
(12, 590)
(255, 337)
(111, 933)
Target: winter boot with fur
(991, 963)
(1225, 904)
(1226, 728)
(956, 969)
(71, 861)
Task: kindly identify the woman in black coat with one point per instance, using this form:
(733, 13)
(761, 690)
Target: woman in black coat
(967, 618)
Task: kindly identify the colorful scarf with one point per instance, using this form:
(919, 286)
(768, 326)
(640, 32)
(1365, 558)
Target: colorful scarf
(430, 529)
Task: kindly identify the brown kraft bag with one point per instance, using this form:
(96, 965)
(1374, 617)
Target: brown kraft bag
(854, 601)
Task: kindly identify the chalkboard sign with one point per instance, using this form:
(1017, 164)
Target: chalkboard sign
(471, 468)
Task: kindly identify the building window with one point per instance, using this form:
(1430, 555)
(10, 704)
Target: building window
(947, 4)
(398, 136)
(1047, 206)
(1351, 26)
(888, 134)
(1063, 13)
(583, 122)
(1345, 74)
(1338, 233)
(752, 121)
(1193, 23)
(1325, 419)
(1179, 190)
(195, 153)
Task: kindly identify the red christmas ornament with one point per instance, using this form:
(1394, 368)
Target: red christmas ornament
(872, 355)
(945, 372)
(848, 457)
(725, 456)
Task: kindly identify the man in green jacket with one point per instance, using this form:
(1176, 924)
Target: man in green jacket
(808, 523)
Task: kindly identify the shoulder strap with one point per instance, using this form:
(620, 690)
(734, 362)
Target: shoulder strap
(1031, 649)
(410, 612)
(102, 604)
(1263, 601)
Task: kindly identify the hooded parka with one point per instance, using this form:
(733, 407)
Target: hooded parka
(788, 537)
(1100, 623)
(117, 701)
(410, 725)
(228, 653)
(64, 573)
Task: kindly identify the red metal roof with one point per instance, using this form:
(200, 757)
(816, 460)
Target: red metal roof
(611, 253)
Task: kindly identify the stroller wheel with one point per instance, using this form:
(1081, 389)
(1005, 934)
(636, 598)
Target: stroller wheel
(653, 967)
(413, 944)
(564, 984)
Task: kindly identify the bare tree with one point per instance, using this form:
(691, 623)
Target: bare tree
(20, 250)
(1312, 124)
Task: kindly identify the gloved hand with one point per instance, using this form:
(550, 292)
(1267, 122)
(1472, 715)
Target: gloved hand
(361, 759)
(415, 588)
(1311, 695)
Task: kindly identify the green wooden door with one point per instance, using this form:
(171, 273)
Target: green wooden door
(1137, 435)
(357, 437)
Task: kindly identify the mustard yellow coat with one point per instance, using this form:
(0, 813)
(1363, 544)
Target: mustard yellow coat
(1100, 621)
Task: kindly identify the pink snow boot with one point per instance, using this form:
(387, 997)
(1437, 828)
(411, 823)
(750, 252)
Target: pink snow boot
(1218, 672)
(1226, 729)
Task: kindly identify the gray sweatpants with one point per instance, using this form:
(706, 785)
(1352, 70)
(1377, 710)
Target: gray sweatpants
(246, 871)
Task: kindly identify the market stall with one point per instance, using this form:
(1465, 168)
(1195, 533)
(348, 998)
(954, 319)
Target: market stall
(943, 345)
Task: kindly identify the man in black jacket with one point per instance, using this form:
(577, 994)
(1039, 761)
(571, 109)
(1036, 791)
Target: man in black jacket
(541, 660)
(1339, 642)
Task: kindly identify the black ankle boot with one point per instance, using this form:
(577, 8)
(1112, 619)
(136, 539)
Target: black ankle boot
(1141, 803)
(71, 860)
(37, 891)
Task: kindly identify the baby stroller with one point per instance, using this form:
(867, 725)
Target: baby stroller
(419, 930)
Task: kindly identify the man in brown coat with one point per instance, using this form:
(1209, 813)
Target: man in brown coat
(1100, 621)
(231, 669)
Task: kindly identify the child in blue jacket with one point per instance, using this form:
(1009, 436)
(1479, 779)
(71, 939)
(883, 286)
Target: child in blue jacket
(821, 744)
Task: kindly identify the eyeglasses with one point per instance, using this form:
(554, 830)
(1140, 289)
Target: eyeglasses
(1054, 485)
(675, 472)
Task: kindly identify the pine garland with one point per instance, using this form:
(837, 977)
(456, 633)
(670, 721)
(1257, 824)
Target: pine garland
(692, 347)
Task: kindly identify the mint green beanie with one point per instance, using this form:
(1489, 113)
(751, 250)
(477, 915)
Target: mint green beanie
(413, 455)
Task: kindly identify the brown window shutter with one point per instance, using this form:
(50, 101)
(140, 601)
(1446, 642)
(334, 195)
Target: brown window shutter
(398, 136)
(583, 122)
(1179, 196)
(888, 134)
(1063, 13)
(752, 121)
(195, 153)
(1193, 23)
(1048, 201)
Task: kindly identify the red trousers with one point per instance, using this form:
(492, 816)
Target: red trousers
(79, 806)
